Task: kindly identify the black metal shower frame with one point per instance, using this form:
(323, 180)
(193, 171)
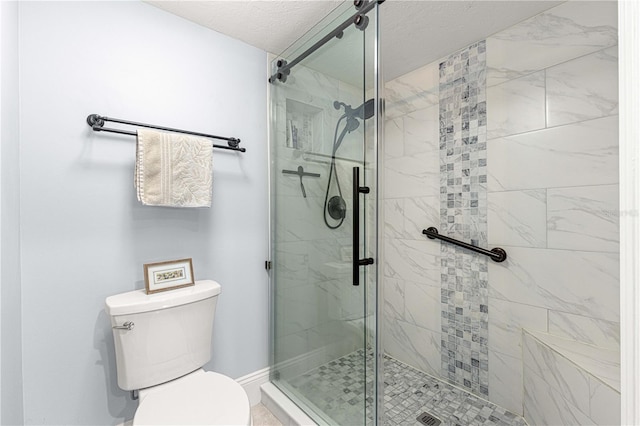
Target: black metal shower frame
(358, 19)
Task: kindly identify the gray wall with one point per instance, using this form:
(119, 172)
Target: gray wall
(11, 354)
(83, 234)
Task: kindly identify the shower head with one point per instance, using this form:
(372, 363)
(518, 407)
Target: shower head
(363, 112)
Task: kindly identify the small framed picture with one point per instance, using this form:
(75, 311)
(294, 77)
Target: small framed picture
(169, 275)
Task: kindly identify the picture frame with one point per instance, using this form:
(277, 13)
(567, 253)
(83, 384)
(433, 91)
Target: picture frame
(168, 275)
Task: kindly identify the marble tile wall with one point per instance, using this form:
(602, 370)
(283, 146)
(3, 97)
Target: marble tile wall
(411, 202)
(551, 194)
(552, 186)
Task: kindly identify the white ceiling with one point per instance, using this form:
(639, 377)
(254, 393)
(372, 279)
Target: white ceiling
(413, 33)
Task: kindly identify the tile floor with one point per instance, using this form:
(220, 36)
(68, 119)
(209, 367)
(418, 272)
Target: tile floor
(337, 388)
(263, 417)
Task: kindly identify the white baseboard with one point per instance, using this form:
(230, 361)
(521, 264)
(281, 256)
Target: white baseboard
(252, 382)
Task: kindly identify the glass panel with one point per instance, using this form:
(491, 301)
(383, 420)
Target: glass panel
(322, 127)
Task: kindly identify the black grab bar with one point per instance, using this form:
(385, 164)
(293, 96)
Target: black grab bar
(496, 254)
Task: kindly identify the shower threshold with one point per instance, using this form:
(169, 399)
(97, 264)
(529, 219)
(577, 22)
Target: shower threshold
(408, 393)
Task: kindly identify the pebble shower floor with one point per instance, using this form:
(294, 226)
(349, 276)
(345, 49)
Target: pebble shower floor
(337, 387)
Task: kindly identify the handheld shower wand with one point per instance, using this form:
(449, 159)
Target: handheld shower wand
(336, 206)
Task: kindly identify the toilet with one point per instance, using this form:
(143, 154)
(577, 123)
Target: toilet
(162, 340)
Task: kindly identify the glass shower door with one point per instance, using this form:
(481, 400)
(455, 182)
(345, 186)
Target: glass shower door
(323, 204)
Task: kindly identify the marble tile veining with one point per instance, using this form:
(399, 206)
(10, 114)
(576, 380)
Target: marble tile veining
(605, 334)
(544, 405)
(570, 383)
(422, 305)
(393, 294)
(393, 138)
(394, 218)
(583, 89)
(506, 322)
(413, 91)
(516, 106)
(412, 260)
(421, 213)
(415, 346)
(518, 218)
(604, 403)
(506, 382)
(421, 131)
(584, 218)
(602, 363)
(411, 176)
(558, 372)
(568, 31)
(577, 282)
(578, 154)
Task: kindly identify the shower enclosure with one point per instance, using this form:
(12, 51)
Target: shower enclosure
(323, 160)
(464, 269)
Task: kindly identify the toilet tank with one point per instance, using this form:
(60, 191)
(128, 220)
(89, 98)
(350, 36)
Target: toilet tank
(171, 335)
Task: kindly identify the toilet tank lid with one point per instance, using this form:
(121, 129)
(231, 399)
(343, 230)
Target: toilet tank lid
(139, 301)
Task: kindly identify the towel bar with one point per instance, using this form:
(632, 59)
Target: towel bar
(97, 122)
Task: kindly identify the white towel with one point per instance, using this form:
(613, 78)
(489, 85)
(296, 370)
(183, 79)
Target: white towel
(173, 169)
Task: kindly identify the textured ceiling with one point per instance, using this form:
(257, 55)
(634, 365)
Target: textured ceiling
(413, 33)
(269, 25)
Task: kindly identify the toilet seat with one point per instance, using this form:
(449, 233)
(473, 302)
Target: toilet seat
(199, 398)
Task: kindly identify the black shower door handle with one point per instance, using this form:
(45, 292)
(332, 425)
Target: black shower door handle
(357, 262)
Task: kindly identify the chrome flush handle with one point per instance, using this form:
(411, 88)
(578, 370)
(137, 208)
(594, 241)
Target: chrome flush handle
(126, 326)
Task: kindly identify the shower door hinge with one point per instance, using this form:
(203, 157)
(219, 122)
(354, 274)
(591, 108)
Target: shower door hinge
(267, 265)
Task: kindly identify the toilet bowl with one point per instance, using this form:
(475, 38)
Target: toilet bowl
(162, 341)
(199, 398)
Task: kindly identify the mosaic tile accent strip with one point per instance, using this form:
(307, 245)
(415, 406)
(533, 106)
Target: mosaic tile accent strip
(463, 215)
(337, 389)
